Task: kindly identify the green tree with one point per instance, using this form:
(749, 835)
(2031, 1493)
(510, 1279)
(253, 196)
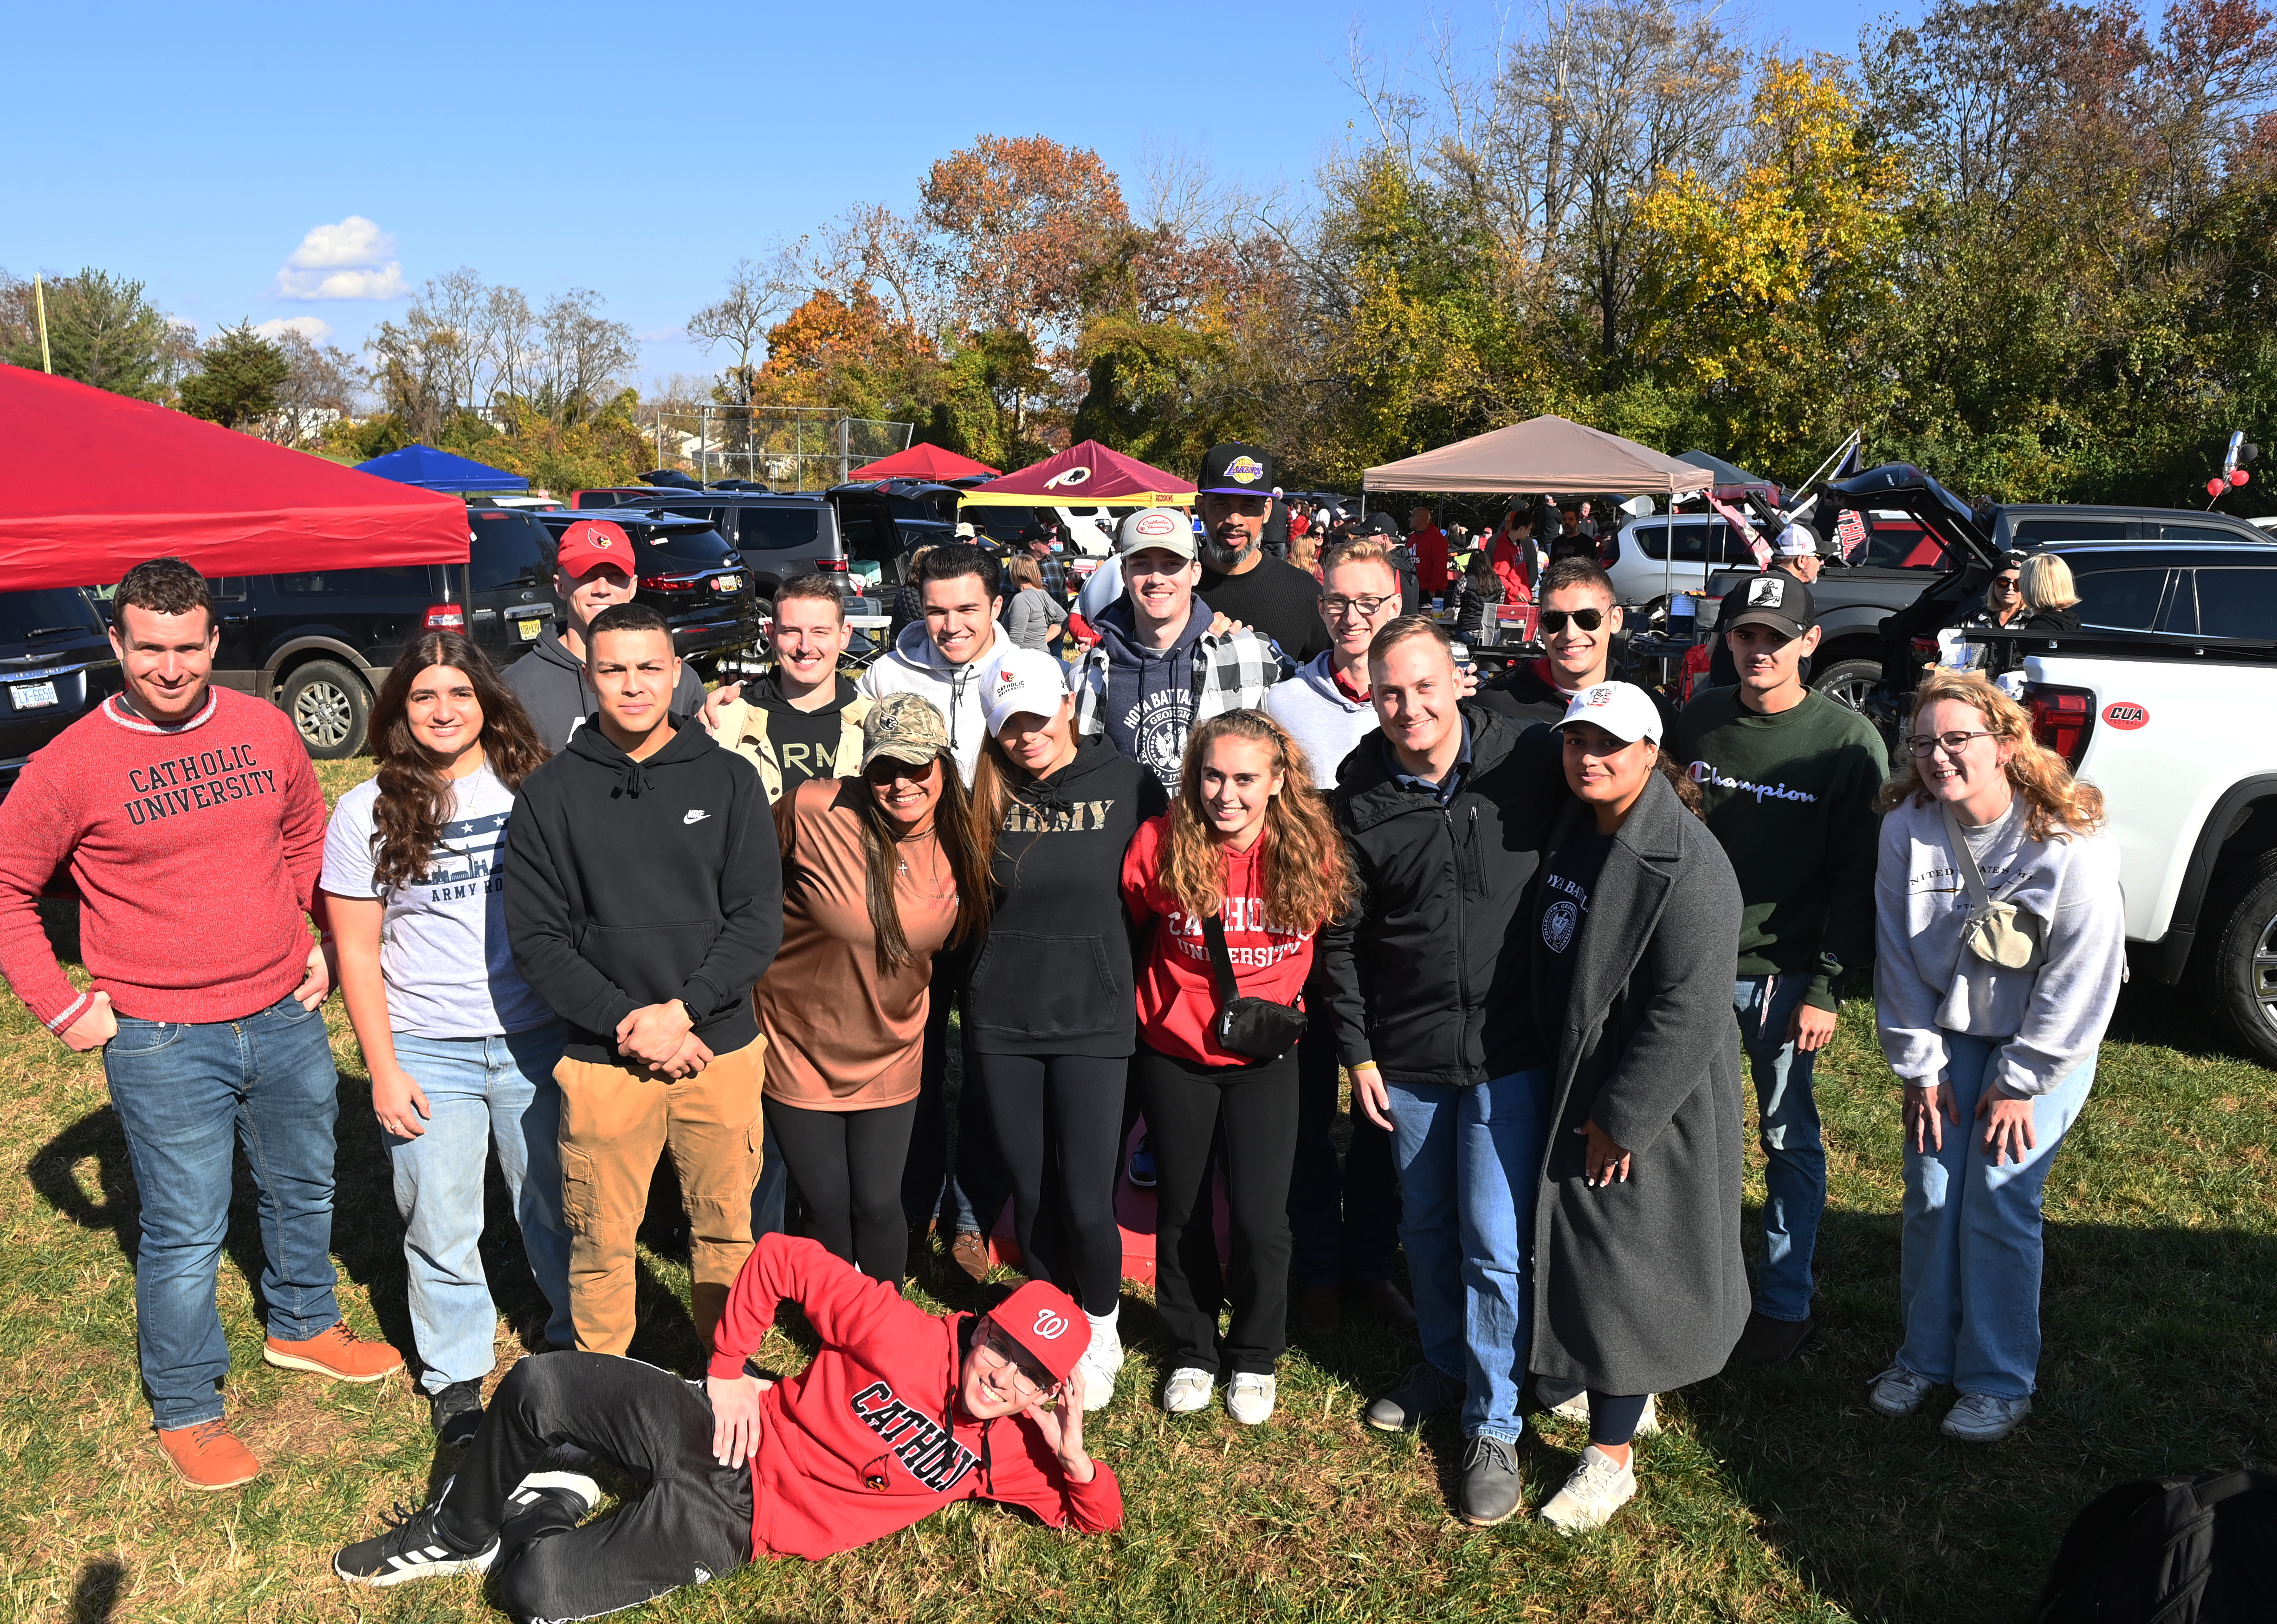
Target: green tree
(237, 377)
(101, 330)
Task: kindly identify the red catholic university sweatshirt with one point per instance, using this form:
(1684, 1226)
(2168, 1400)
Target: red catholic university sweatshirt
(195, 851)
(868, 1439)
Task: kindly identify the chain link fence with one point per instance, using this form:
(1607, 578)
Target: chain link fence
(785, 448)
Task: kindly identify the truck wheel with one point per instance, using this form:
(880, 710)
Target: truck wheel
(330, 707)
(1849, 682)
(2244, 979)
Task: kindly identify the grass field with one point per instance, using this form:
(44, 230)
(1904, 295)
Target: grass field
(1773, 1496)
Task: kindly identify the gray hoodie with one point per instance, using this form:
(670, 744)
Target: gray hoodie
(915, 666)
(551, 683)
(1320, 717)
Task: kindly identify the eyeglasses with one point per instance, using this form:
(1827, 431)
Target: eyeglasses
(990, 1345)
(1367, 608)
(1952, 744)
(1553, 620)
(886, 770)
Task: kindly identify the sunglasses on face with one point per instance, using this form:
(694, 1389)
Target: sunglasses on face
(886, 770)
(1553, 620)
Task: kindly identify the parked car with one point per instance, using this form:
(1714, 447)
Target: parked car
(687, 573)
(2021, 527)
(779, 535)
(627, 496)
(55, 665)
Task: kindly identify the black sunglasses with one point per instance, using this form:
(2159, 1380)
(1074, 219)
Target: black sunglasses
(1553, 620)
(887, 768)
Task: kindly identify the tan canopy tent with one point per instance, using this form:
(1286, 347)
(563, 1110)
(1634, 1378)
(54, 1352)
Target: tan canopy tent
(1544, 456)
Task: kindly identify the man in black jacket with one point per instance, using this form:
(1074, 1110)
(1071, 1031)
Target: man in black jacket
(1445, 821)
(644, 900)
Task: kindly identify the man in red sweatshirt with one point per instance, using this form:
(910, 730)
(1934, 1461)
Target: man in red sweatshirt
(899, 1414)
(190, 820)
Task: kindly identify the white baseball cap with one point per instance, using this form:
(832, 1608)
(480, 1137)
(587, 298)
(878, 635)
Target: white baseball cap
(1165, 528)
(1622, 708)
(1024, 680)
(1797, 542)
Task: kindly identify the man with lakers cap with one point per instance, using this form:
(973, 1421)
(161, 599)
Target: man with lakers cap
(1234, 500)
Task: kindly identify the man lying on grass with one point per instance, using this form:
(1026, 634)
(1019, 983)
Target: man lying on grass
(897, 1417)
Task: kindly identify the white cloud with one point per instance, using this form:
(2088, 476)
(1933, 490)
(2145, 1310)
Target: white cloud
(353, 259)
(315, 330)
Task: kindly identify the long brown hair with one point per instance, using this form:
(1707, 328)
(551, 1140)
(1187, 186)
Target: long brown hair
(2055, 803)
(1308, 879)
(416, 799)
(968, 866)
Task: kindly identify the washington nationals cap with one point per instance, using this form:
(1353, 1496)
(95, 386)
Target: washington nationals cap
(1779, 601)
(1622, 708)
(592, 543)
(1165, 528)
(1046, 1323)
(1236, 470)
(1024, 680)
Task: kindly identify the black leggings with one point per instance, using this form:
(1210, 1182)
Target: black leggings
(1249, 1113)
(693, 1523)
(1057, 1119)
(848, 1168)
(1613, 1417)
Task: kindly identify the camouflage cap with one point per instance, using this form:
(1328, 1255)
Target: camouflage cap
(906, 727)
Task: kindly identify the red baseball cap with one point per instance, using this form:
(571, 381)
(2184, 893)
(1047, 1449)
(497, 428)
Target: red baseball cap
(1046, 1321)
(592, 543)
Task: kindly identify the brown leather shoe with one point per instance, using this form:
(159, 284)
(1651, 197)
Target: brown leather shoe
(1383, 1299)
(971, 1255)
(209, 1455)
(337, 1352)
(1319, 1311)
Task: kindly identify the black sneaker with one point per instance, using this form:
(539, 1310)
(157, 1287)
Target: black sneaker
(456, 1412)
(1768, 1341)
(1423, 1393)
(413, 1547)
(544, 1504)
(1491, 1490)
(1142, 1163)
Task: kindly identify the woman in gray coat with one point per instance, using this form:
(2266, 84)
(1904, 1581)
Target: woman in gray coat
(1638, 1283)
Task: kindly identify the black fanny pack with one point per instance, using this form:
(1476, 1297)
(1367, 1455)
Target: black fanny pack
(1257, 1028)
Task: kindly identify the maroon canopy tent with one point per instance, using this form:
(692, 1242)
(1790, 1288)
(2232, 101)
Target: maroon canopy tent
(98, 482)
(924, 462)
(1087, 474)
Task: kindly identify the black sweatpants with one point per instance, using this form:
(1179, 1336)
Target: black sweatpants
(692, 1523)
(1058, 1120)
(1250, 1113)
(848, 1168)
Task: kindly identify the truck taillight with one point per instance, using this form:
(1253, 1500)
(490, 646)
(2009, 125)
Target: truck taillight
(1926, 648)
(833, 566)
(446, 618)
(2062, 718)
(669, 584)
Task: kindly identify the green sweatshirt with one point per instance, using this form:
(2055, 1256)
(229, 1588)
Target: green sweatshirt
(1791, 798)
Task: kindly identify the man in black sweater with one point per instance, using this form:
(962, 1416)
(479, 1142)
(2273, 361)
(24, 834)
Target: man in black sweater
(1239, 581)
(643, 900)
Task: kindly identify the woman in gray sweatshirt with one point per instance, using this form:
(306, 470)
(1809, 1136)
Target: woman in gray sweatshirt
(1997, 1057)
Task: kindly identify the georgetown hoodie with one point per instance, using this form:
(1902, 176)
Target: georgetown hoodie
(869, 1438)
(551, 683)
(634, 883)
(915, 666)
(1148, 708)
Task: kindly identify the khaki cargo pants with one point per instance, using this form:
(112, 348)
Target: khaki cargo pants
(616, 1119)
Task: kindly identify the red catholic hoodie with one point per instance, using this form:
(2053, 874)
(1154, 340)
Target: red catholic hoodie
(869, 1438)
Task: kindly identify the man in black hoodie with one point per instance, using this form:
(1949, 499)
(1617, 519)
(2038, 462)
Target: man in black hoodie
(644, 900)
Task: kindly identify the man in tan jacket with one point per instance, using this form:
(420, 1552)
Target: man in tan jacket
(803, 721)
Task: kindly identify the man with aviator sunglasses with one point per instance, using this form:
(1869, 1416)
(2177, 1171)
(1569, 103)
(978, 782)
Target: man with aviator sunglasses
(1579, 620)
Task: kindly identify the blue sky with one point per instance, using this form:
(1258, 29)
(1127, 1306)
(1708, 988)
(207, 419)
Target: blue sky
(230, 157)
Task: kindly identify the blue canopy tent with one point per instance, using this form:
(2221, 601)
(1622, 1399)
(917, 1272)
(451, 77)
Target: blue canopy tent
(433, 470)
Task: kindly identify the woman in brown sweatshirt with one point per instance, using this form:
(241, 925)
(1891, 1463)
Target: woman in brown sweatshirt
(880, 872)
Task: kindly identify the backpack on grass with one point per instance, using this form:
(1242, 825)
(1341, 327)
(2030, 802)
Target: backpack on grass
(2170, 1550)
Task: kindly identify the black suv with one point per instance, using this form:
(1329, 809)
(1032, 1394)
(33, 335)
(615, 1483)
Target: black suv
(687, 573)
(779, 535)
(55, 665)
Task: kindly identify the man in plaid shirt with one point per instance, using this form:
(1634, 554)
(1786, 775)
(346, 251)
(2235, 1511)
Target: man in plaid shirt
(1158, 668)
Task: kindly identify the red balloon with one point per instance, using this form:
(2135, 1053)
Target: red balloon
(2215, 486)
(2237, 476)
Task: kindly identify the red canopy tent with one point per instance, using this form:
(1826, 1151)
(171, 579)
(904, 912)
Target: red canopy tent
(98, 482)
(1087, 474)
(924, 462)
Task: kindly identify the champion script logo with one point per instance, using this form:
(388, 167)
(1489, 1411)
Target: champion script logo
(1704, 773)
(695, 818)
(929, 1450)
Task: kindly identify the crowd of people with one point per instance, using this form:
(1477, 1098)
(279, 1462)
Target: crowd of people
(1264, 836)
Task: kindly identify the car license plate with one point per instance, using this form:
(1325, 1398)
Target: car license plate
(31, 696)
(729, 583)
(530, 628)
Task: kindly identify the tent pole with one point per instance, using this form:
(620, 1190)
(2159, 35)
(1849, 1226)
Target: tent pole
(40, 302)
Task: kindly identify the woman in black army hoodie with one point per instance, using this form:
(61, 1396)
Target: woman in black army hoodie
(1053, 1008)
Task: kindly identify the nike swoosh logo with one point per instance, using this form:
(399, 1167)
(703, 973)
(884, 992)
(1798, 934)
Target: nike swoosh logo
(695, 818)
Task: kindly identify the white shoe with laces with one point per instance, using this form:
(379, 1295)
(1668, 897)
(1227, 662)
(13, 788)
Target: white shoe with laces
(1984, 1418)
(1897, 1392)
(1188, 1390)
(1249, 1400)
(1577, 1408)
(1598, 1488)
(1100, 1364)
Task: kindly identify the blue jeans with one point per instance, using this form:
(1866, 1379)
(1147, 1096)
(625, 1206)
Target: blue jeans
(186, 1095)
(1470, 1164)
(1970, 1282)
(1794, 1157)
(479, 1091)
(1344, 1221)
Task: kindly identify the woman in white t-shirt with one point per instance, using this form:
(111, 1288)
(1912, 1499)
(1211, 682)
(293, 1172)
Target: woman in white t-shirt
(460, 1051)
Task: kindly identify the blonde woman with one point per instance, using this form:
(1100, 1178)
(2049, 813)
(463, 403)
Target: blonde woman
(1249, 849)
(1305, 553)
(1033, 616)
(2049, 599)
(1997, 1057)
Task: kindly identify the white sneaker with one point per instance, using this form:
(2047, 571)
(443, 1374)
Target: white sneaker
(1597, 1489)
(1249, 1400)
(1099, 1368)
(1577, 1408)
(1188, 1390)
(1981, 1418)
(1898, 1391)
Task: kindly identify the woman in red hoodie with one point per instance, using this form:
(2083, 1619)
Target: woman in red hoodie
(1249, 848)
(900, 1414)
